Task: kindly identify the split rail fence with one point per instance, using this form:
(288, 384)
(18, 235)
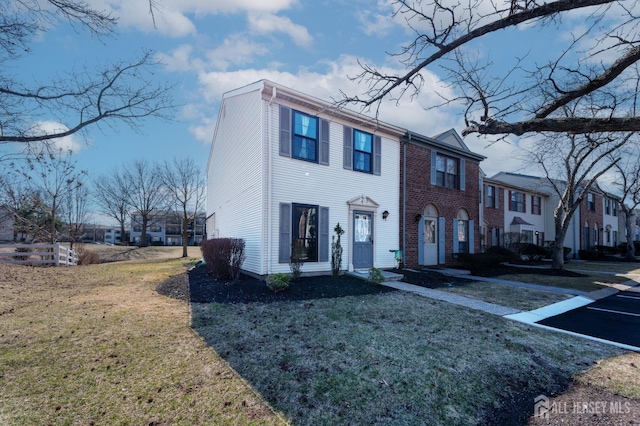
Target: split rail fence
(38, 254)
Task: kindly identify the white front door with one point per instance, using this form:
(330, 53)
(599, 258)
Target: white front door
(430, 241)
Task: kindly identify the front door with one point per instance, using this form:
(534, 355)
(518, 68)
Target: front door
(430, 241)
(362, 240)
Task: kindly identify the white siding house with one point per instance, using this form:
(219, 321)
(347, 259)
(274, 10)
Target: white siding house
(285, 168)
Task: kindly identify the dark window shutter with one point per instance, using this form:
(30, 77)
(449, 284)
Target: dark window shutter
(323, 242)
(324, 142)
(463, 173)
(441, 239)
(285, 132)
(377, 155)
(348, 147)
(434, 154)
(421, 241)
(510, 201)
(496, 196)
(471, 238)
(455, 236)
(284, 248)
(524, 203)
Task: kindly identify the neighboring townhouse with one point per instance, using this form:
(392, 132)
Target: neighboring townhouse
(439, 199)
(590, 225)
(7, 222)
(164, 228)
(285, 168)
(113, 236)
(510, 209)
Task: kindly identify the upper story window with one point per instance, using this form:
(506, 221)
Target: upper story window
(536, 205)
(305, 137)
(362, 151)
(607, 206)
(591, 202)
(517, 202)
(614, 207)
(446, 171)
(491, 200)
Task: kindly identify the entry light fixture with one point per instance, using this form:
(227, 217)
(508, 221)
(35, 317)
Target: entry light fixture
(385, 214)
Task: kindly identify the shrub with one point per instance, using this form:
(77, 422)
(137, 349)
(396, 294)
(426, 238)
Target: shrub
(296, 260)
(589, 254)
(479, 261)
(376, 276)
(86, 256)
(278, 282)
(23, 250)
(224, 257)
(336, 251)
(508, 254)
(533, 252)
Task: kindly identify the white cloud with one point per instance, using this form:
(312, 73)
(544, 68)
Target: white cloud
(171, 16)
(67, 143)
(267, 23)
(235, 50)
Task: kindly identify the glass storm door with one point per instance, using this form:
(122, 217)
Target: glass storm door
(430, 241)
(362, 240)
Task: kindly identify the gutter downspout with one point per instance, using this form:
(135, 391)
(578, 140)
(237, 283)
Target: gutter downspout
(404, 201)
(269, 183)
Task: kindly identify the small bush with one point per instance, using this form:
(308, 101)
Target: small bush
(224, 257)
(479, 261)
(23, 250)
(336, 251)
(533, 252)
(549, 249)
(589, 254)
(376, 276)
(278, 282)
(296, 260)
(508, 254)
(86, 256)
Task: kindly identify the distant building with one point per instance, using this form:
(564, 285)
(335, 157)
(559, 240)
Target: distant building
(165, 228)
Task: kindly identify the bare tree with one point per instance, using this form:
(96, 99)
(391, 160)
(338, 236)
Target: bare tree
(51, 176)
(120, 92)
(147, 197)
(572, 164)
(184, 181)
(76, 212)
(112, 194)
(627, 183)
(530, 96)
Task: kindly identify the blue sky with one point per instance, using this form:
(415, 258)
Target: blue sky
(208, 47)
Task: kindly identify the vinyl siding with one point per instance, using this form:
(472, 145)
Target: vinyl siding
(332, 186)
(235, 175)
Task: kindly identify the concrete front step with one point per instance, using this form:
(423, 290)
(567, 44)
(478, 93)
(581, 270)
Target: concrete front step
(364, 274)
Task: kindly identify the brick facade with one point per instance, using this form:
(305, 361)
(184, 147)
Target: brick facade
(494, 216)
(592, 218)
(448, 201)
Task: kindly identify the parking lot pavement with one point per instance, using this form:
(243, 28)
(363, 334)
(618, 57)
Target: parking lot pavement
(615, 318)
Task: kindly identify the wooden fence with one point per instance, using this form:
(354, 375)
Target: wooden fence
(38, 254)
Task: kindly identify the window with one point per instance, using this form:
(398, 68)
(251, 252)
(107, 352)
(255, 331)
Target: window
(591, 203)
(527, 236)
(446, 171)
(516, 202)
(463, 236)
(607, 206)
(615, 208)
(492, 196)
(305, 137)
(137, 228)
(362, 151)
(155, 228)
(305, 231)
(535, 205)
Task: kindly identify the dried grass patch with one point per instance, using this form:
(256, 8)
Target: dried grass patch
(97, 345)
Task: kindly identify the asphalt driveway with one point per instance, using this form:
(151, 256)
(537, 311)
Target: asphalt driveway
(615, 318)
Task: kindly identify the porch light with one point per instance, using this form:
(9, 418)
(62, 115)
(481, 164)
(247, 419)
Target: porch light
(385, 215)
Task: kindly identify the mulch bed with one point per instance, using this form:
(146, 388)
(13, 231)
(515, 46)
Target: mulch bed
(198, 286)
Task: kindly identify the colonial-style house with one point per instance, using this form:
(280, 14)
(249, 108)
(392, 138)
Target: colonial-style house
(510, 209)
(595, 222)
(439, 198)
(285, 168)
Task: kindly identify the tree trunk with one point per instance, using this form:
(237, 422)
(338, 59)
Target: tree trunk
(185, 235)
(628, 226)
(558, 251)
(143, 235)
(121, 235)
